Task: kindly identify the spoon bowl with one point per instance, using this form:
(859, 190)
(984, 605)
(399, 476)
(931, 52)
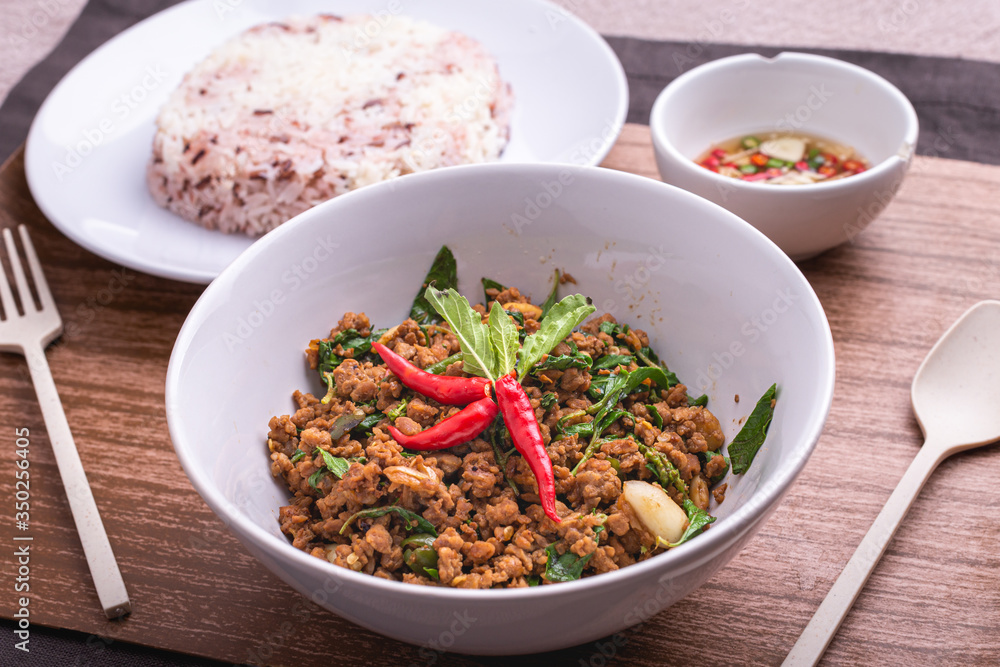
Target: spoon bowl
(955, 394)
(956, 390)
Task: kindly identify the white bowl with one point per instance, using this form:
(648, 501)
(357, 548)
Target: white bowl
(750, 94)
(727, 310)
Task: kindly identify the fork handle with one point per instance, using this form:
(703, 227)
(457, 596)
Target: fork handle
(821, 629)
(100, 558)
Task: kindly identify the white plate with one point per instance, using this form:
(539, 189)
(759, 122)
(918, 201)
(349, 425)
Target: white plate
(87, 150)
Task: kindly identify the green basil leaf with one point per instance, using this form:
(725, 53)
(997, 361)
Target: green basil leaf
(443, 275)
(561, 319)
(369, 422)
(334, 464)
(548, 400)
(612, 361)
(315, 477)
(697, 520)
(422, 524)
(439, 367)
(327, 359)
(579, 428)
(345, 423)
(623, 383)
(562, 362)
(609, 328)
(503, 336)
(553, 296)
(657, 417)
(478, 356)
(533, 580)
(432, 572)
(701, 400)
(748, 441)
(568, 567)
(489, 284)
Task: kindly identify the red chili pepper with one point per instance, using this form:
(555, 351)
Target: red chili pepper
(454, 430)
(442, 388)
(515, 406)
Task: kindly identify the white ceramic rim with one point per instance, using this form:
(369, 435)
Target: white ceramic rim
(202, 276)
(698, 549)
(662, 143)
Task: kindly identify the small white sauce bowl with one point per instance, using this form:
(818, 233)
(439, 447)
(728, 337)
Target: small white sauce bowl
(751, 94)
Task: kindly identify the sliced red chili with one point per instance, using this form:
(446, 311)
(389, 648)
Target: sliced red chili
(442, 388)
(515, 406)
(454, 430)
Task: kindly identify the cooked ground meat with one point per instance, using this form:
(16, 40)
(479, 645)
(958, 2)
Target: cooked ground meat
(481, 497)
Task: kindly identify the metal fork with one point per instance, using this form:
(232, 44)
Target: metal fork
(29, 334)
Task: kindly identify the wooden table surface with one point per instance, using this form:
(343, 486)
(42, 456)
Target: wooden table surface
(934, 598)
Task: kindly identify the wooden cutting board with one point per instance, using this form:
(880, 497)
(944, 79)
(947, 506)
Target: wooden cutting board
(935, 597)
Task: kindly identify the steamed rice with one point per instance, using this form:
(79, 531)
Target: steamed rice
(287, 115)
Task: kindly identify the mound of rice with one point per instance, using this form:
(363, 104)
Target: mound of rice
(287, 115)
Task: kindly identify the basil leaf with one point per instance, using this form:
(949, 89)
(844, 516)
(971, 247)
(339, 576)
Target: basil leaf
(648, 357)
(623, 383)
(548, 400)
(297, 456)
(443, 274)
(562, 318)
(345, 423)
(439, 367)
(609, 328)
(697, 520)
(314, 478)
(562, 362)
(503, 336)
(579, 428)
(701, 400)
(612, 361)
(334, 464)
(750, 438)
(568, 567)
(533, 580)
(478, 356)
(432, 572)
(489, 284)
(657, 417)
(327, 359)
(369, 422)
(598, 383)
(422, 524)
(553, 295)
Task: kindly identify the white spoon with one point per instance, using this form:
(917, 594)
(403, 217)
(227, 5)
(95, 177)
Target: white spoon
(956, 397)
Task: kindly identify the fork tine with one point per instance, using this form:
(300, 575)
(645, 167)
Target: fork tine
(6, 296)
(41, 285)
(27, 302)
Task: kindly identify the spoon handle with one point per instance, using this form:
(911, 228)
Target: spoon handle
(817, 636)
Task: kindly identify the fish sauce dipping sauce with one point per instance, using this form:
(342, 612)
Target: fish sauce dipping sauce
(791, 95)
(783, 158)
